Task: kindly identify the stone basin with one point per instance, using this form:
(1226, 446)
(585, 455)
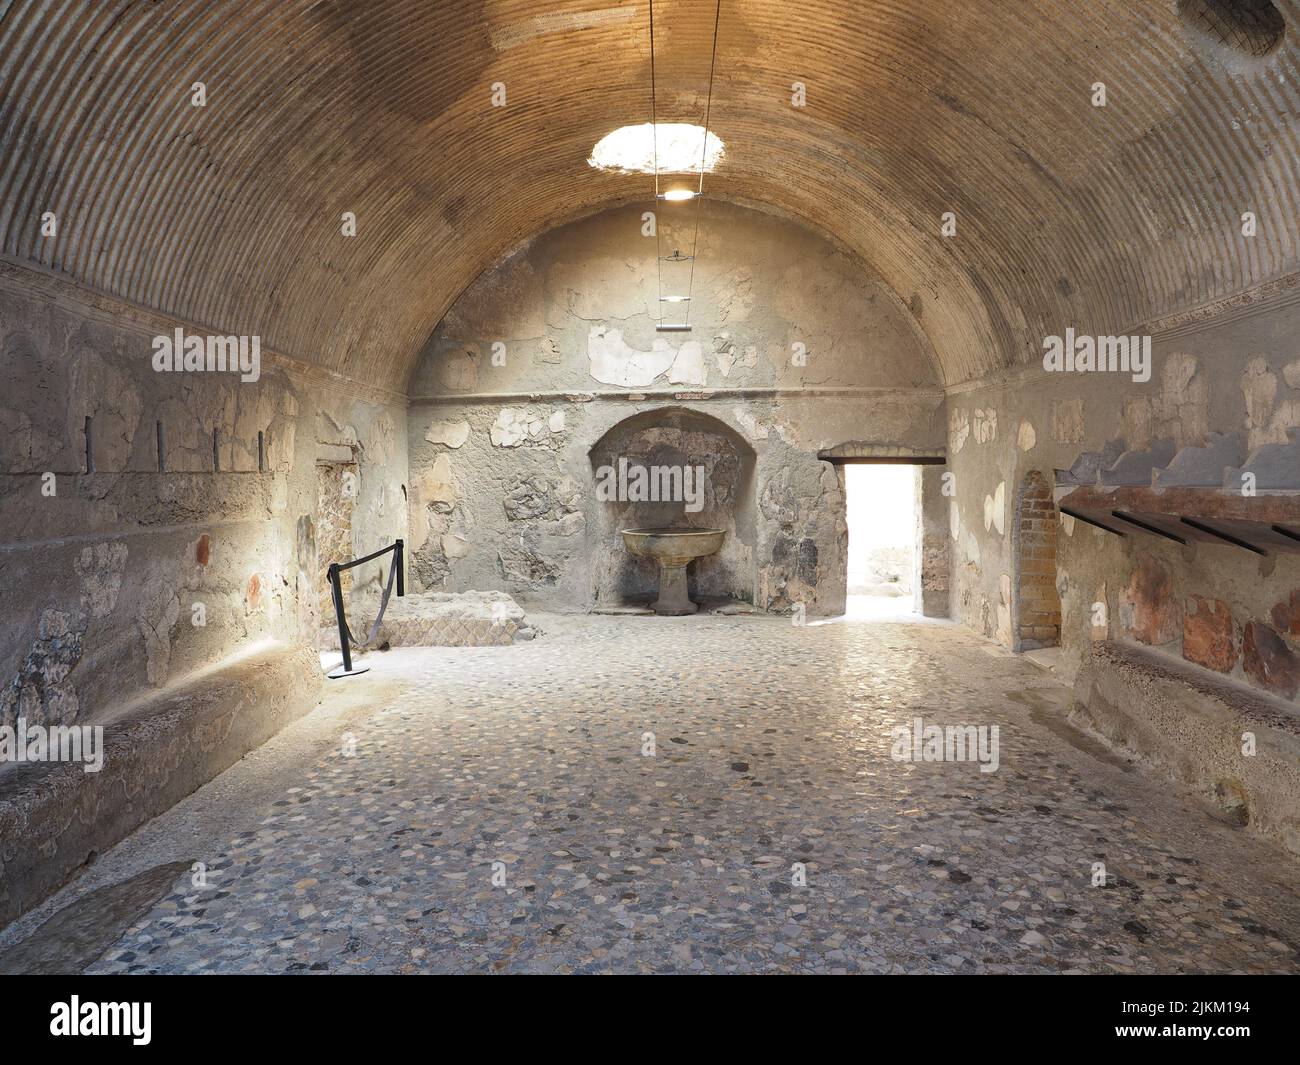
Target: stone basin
(674, 549)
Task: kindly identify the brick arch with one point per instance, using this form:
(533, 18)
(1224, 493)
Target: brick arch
(1037, 620)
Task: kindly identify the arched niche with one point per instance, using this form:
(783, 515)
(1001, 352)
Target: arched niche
(674, 437)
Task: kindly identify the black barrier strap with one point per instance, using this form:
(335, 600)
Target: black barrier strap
(396, 545)
(396, 572)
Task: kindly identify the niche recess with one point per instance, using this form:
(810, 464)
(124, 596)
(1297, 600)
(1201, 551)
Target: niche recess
(1248, 28)
(675, 437)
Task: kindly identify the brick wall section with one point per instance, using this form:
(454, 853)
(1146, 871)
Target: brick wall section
(1038, 621)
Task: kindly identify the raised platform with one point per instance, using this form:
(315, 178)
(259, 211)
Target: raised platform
(1191, 726)
(55, 817)
(449, 619)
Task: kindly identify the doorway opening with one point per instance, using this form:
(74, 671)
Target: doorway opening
(881, 509)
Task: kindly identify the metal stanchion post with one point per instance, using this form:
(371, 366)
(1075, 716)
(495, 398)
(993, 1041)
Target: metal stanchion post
(338, 610)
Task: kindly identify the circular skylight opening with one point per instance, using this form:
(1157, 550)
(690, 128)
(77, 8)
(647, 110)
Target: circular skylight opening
(1252, 28)
(682, 147)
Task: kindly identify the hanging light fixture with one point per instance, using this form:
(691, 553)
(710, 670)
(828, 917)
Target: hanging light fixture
(680, 194)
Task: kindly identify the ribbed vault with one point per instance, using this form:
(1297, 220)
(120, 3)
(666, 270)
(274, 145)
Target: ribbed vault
(229, 214)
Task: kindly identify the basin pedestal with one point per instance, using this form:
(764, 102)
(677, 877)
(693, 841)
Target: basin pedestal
(674, 550)
(673, 599)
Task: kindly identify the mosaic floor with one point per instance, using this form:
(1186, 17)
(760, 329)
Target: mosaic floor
(718, 794)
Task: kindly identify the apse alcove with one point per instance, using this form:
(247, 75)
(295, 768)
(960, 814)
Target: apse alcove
(671, 466)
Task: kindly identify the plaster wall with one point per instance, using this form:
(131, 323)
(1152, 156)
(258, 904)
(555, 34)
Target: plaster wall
(796, 347)
(121, 581)
(1228, 369)
(931, 561)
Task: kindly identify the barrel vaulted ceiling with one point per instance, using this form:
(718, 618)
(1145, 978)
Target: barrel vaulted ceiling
(229, 215)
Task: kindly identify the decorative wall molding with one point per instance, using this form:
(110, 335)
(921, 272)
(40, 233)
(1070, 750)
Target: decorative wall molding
(1266, 298)
(674, 395)
(1262, 299)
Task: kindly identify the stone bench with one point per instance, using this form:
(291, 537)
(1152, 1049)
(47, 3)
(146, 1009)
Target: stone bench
(1189, 723)
(55, 817)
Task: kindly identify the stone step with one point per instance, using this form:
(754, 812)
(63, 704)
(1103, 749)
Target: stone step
(444, 619)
